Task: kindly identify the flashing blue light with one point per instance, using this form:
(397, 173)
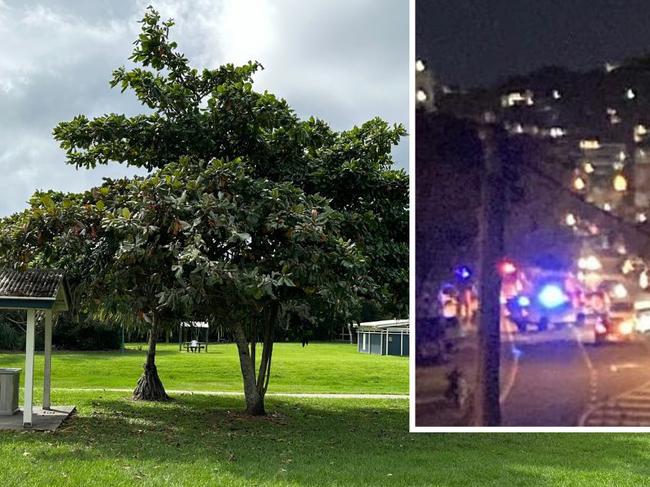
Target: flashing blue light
(463, 272)
(523, 301)
(552, 296)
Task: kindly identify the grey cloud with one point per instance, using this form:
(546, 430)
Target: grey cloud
(342, 61)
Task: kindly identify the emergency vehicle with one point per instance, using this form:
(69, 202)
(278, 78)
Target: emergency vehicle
(540, 298)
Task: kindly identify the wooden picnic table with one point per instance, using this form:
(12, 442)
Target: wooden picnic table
(199, 346)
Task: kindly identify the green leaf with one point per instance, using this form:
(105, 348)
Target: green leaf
(47, 201)
(126, 213)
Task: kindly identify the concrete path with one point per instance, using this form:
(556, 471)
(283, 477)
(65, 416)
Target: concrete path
(42, 420)
(241, 394)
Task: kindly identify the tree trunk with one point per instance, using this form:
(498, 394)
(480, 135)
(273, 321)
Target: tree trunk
(488, 408)
(267, 350)
(149, 386)
(254, 400)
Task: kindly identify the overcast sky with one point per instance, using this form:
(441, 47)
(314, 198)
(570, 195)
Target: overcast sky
(341, 60)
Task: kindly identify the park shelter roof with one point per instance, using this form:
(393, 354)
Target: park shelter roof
(34, 289)
(384, 325)
(195, 324)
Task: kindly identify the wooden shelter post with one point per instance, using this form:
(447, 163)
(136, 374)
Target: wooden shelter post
(29, 368)
(47, 359)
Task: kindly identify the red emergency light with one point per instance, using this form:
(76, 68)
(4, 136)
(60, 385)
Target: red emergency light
(506, 267)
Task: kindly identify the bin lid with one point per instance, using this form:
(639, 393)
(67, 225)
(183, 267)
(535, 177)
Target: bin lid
(10, 371)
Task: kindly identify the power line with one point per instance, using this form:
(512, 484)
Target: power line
(558, 185)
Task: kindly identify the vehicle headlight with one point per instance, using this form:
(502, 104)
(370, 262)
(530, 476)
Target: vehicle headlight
(626, 327)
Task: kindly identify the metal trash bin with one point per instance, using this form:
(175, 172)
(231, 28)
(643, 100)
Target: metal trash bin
(9, 387)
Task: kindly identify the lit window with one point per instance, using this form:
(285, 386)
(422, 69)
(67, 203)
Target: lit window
(620, 183)
(639, 132)
(644, 282)
(590, 263)
(607, 207)
(619, 291)
(556, 95)
(571, 219)
(420, 66)
(641, 217)
(516, 98)
(627, 267)
(556, 132)
(489, 117)
(421, 96)
(589, 168)
(629, 94)
(579, 183)
(589, 144)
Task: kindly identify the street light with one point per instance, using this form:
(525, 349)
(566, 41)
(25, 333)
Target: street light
(571, 219)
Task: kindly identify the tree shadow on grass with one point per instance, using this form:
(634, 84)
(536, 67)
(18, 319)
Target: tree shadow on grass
(331, 442)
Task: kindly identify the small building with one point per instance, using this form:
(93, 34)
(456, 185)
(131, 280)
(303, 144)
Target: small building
(42, 294)
(388, 337)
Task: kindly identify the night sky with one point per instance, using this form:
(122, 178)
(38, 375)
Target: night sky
(477, 42)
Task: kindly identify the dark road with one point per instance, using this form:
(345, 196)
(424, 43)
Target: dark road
(552, 379)
(558, 380)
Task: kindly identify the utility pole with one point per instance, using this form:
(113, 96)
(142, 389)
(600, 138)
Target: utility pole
(492, 217)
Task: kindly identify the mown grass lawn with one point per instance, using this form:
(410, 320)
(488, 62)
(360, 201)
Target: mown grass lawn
(317, 367)
(201, 440)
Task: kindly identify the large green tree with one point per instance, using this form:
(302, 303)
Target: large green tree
(252, 215)
(215, 113)
(255, 255)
